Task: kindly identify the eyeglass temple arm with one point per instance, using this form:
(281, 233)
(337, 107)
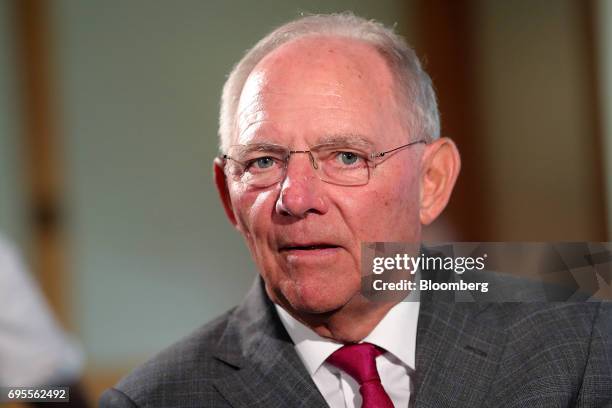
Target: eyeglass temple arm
(227, 157)
(382, 154)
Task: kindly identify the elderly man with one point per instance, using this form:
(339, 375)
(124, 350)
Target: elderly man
(330, 138)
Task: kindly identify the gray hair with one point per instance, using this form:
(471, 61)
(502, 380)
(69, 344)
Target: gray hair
(416, 89)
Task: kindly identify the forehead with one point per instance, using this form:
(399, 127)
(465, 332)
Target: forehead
(323, 58)
(317, 85)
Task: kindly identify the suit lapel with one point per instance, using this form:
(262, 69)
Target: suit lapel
(269, 372)
(282, 383)
(458, 350)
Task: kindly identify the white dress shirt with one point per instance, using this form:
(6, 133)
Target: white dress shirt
(396, 333)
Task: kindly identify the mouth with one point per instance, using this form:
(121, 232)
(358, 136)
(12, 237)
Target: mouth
(313, 253)
(307, 247)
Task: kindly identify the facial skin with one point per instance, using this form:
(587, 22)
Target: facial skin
(301, 94)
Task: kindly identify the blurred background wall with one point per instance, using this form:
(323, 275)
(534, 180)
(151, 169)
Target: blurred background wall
(108, 124)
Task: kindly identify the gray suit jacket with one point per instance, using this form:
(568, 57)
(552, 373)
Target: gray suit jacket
(468, 355)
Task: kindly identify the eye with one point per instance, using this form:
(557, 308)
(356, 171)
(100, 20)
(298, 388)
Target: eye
(264, 162)
(348, 158)
(260, 164)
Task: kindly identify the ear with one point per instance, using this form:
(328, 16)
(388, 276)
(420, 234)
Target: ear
(439, 171)
(221, 183)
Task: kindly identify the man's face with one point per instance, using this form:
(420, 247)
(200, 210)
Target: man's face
(304, 234)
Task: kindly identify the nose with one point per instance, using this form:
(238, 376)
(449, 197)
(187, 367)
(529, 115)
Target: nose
(301, 191)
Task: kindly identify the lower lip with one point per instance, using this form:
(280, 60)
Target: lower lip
(321, 254)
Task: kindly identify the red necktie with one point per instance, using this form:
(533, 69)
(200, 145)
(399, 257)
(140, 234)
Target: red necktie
(359, 361)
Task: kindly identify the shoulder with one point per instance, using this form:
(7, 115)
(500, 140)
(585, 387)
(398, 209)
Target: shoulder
(184, 367)
(560, 337)
(563, 349)
(185, 373)
(573, 319)
(532, 328)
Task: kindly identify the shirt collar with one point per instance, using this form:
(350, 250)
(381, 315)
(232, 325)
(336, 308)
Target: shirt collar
(312, 349)
(396, 333)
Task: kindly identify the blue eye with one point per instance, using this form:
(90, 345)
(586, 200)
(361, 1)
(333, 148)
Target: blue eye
(261, 164)
(264, 162)
(348, 158)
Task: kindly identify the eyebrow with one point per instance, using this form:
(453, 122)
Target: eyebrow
(261, 146)
(332, 140)
(344, 140)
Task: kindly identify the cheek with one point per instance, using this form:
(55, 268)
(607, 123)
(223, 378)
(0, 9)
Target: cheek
(403, 205)
(253, 209)
(386, 211)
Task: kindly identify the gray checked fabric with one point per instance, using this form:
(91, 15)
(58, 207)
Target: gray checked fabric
(468, 355)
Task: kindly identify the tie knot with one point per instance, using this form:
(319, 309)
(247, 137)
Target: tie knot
(358, 361)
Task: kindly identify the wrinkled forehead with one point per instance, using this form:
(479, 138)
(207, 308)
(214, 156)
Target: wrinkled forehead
(317, 73)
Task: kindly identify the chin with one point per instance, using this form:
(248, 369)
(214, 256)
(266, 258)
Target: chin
(316, 297)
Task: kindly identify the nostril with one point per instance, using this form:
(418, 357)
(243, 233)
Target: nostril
(283, 212)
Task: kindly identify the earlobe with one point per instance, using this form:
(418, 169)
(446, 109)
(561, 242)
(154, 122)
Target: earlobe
(221, 183)
(440, 167)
